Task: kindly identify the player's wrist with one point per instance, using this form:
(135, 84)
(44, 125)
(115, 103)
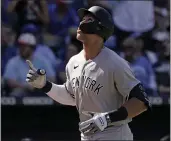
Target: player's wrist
(108, 119)
(120, 114)
(47, 87)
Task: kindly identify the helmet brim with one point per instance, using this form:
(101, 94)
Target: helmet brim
(82, 12)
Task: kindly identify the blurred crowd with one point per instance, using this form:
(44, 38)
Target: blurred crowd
(44, 31)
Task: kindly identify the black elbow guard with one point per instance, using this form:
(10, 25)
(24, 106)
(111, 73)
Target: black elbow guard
(139, 92)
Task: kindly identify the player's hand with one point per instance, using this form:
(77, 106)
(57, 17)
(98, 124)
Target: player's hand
(36, 77)
(97, 123)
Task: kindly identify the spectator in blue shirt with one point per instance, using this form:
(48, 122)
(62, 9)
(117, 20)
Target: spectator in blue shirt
(8, 48)
(62, 17)
(29, 11)
(72, 49)
(4, 14)
(140, 65)
(63, 24)
(42, 49)
(17, 67)
(45, 52)
(162, 68)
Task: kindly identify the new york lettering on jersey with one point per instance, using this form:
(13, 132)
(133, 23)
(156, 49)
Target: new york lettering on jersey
(85, 75)
(88, 83)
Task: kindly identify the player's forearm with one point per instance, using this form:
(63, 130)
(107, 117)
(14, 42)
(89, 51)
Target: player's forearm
(137, 104)
(58, 93)
(134, 107)
(129, 110)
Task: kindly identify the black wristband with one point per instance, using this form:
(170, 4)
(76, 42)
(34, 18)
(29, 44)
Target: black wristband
(47, 87)
(120, 114)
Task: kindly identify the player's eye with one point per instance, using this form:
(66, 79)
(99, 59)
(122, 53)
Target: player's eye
(88, 19)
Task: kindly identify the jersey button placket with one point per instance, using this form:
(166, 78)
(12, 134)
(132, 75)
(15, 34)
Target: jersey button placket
(81, 106)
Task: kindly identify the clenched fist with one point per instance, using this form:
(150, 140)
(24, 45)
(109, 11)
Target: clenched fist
(36, 77)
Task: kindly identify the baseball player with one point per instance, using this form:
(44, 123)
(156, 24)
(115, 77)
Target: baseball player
(99, 82)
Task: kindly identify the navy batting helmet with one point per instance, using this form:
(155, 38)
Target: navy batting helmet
(103, 24)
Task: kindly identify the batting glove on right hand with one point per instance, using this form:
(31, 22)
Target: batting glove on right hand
(97, 123)
(36, 77)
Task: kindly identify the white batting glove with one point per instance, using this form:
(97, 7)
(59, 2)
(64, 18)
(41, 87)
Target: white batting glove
(36, 77)
(97, 123)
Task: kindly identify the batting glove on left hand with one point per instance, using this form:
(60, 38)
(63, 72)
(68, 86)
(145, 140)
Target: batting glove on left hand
(97, 123)
(36, 77)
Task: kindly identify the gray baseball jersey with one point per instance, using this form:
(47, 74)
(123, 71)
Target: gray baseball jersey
(101, 84)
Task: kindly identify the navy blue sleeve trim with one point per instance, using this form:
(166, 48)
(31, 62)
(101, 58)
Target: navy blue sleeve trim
(72, 95)
(139, 92)
(47, 87)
